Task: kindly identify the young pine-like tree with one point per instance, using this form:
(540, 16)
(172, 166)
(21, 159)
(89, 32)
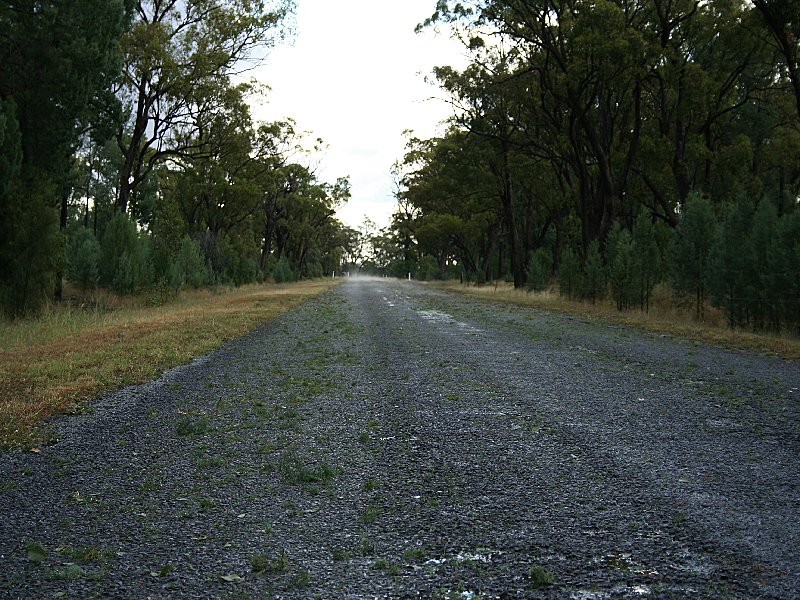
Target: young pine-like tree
(767, 262)
(594, 274)
(789, 236)
(83, 259)
(569, 275)
(621, 271)
(695, 236)
(539, 269)
(731, 279)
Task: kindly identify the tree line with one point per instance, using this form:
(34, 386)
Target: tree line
(612, 145)
(129, 157)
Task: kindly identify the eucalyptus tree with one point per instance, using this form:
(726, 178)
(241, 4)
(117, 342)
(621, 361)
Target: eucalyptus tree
(586, 62)
(307, 219)
(451, 200)
(782, 21)
(180, 56)
(486, 110)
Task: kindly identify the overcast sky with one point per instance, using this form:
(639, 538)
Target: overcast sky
(354, 76)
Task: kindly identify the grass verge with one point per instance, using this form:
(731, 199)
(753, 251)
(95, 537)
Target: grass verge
(54, 363)
(662, 318)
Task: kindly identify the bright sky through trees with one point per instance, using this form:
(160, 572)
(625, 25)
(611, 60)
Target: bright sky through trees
(354, 76)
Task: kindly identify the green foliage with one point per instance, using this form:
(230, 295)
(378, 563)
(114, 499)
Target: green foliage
(789, 268)
(189, 266)
(767, 262)
(282, 272)
(83, 259)
(647, 263)
(427, 269)
(594, 274)
(695, 237)
(35, 551)
(589, 118)
(539, 268)
(125, 257)
(570, 278)
(57, 60)
(295, 470)
(731, 276)
(32, 251)
(540, 576)
(756, 273)
(620, 261)
(264, 563)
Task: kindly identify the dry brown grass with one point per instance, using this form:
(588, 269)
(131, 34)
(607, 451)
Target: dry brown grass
(54, 363)
(665, 316)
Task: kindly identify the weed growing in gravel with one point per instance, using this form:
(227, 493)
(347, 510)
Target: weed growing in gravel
(366, 547)
(35, 551)
(680, 517)
(414, 553)
(363, 438)
(540, 576)
(187, 426)
(83, 553)
(149, 485)
(212, 461)
(300, 579)
(205, 504)
(371, 484)
(67, 573)
(390, 567)
(369, 514)
(264, 563)
(291, 508)
(339, 554)
(295, 471)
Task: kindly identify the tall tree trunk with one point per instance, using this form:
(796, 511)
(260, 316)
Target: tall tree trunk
(131, 149)
(509, 213)
(62, 223)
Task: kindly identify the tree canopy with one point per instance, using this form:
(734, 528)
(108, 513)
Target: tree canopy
(129, 157)
(593, 132)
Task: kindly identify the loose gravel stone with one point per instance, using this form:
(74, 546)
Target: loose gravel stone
(387, 440)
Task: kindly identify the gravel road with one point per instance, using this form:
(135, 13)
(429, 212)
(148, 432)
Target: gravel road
(390, 440)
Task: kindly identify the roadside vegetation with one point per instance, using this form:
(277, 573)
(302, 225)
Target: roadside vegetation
(130, 160)
(667, 315)
(606, 150)
(71, 353)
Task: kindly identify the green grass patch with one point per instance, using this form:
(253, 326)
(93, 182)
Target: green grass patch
(192, 426)
(265, 563)
(540, 577)
(296, 470)
(56, 362)
(414, 553)
(370, 514)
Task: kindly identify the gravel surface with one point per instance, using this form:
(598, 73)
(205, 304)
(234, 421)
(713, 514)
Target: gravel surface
(390, 440)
